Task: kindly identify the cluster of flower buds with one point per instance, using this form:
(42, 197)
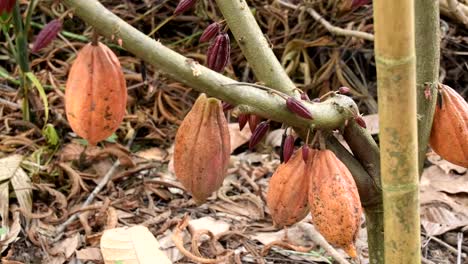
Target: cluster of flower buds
(6, 6)
(47, 34)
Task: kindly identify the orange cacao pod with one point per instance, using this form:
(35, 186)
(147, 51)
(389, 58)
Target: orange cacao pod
(287, 192)
(449, 134)
(95, 94)
(202, 149)
(334, 201)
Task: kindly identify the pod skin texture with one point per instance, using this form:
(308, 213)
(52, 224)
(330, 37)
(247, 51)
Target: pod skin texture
(334, 201)
(202, 149)
(449, 134)
(288, 191)
(95, 94)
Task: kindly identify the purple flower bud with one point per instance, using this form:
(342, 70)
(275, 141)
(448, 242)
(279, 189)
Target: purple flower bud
(227, 106)
(305, 97)
(183, 6)
(305, 153)
(288, 148)
(242, 119)
(47, 34)
(316, 100)
(358, 3)
(258, 134)
(253, 122)
(344, 90)
(219, 52)
(210, 32)
(6, 6)
(360, 121)
(298, 108)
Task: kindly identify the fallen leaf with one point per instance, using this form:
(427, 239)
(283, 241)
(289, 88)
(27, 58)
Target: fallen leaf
(209, 223)
(63, 249)
(134, 245)
(372, 123)
(238, 138)
(274, 138)
(155, 154)
(89, 253)
(446, 166)
(444, 181)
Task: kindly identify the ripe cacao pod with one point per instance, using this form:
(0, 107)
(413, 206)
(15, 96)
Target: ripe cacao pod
(334, 201)
(449, 134)
(96, 93)
(287, 192)
(202, 149)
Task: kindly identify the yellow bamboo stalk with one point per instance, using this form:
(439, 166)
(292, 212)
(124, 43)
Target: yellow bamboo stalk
(396, 75)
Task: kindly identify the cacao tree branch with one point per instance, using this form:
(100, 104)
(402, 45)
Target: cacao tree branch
(254, 45)
(427, 32)
(327, 115)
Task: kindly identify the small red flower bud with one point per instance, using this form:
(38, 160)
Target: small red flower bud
(227, 106)
(219, 52)
(305, 97)
(242, 119)
(298, 108)
(6, 6)
(344, 90)
(183, 6)
(210, 32)
(258, 134)
(305, 153)
(288, 148)
(253, 122)
(360, 121)
(47, 34)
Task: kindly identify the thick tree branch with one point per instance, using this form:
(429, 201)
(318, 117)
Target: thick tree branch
(327, 115)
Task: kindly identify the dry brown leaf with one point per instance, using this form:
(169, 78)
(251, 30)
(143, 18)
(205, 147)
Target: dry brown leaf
(446, 166)
(63, 250)
(11, 172)
(440, 180)
(135, 245)
(372, 123)
(274, 138)
(209, 223)
(155, 154)
(12, 231)
(238, 138)
(89, 253)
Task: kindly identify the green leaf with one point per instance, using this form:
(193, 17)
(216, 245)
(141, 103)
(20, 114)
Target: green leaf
(112, 138)
(50, 134)
(42, 93)
(3, 231)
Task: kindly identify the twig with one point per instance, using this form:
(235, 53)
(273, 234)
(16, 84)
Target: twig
(446, 10)
(449, 247)
(332, 29)
(459, 247)
(12, 105)
(318, 238)
(454, 8)
(94, 193)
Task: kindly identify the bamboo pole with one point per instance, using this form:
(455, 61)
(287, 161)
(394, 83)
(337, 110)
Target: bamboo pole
(396, 81)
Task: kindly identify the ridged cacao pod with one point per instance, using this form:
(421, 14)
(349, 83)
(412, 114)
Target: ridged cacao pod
(95, 94)
(334, 201)
(202, 149)
(6, 6)
(449, 134)
(288, 191)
